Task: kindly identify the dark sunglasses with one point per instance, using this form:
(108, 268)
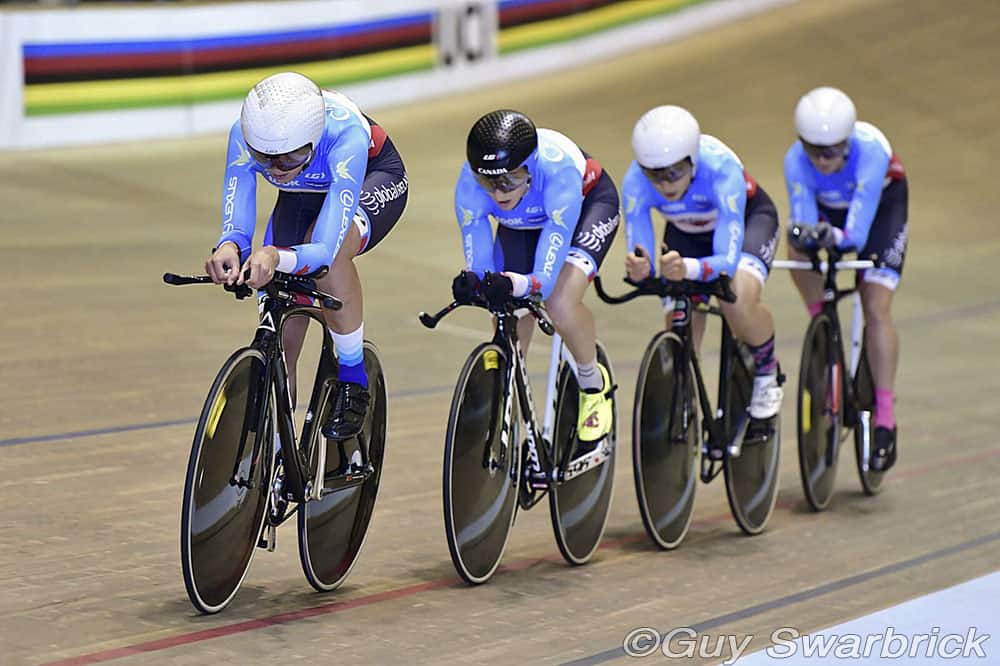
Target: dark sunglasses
(826, 152)
(505, 182)
(670, 174)
(284, 162)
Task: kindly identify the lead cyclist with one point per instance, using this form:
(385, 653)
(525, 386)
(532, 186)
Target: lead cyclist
(341, 188)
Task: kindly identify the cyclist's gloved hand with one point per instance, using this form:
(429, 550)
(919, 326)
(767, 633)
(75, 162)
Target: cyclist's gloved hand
(465, 286)
(828, 236)
(808, 237)
(497, 288)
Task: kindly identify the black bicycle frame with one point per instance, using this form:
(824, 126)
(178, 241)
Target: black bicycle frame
(515, 382)
(681, 291)
(538, 448)
(276, 308)
(832, 295)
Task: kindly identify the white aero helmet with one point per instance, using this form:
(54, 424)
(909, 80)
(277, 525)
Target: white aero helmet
(825, 116)
(665, 136)
(282, 113)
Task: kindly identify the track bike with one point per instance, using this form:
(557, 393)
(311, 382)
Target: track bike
(671, 447)
(833, 403)
(490, 472)
(247, 473)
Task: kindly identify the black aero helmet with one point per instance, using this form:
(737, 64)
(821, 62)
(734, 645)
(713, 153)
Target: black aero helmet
(500, 141)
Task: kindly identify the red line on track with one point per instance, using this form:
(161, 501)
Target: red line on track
(409, 590)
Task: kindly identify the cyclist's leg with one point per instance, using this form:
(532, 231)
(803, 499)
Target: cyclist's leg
(380, 205)
(291, 223)
(881, 338)
(749, 318)
(594, 233)
(887, 246)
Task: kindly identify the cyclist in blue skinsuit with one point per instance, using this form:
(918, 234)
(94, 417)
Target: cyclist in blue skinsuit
(718, 221)
(341, 188)
(843, 177)
(556, 212)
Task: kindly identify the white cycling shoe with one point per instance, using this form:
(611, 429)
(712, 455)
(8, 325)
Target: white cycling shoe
(766, 399)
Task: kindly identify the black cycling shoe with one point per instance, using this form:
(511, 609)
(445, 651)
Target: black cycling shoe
(584, 448)
(350, 404)
(883, 454)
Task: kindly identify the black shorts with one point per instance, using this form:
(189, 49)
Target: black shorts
(380, 205)
(514, 249)
(886, 245)
(760, 237)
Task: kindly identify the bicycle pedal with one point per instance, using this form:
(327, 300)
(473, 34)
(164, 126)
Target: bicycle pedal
(713, 452)
(268, 538)
(759, 431)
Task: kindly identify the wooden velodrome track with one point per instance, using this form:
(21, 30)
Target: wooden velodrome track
(104, 370)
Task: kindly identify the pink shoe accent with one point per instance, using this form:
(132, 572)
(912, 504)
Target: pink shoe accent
(884, 414)
(814, 308)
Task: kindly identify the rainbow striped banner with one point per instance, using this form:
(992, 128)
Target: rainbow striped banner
(526, 24)
(101, 76)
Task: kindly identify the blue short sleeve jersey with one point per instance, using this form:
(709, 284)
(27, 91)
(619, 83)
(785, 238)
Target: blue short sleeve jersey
(338, 168)
(552, 203)
(714, 202)
(856, 188)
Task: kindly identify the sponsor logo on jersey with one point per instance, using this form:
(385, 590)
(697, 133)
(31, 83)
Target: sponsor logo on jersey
(342, 171)
(734, 232)
(229, 208)
(894, 255)
(314, 176)
(507, 221)
(466, 217)
(555, 242)
(630, 203)
(244, 156)
(594, 238)
(552, 152)
(557, 217)
(376, 199)
(731, 202)
(468, 251)
(338, 113)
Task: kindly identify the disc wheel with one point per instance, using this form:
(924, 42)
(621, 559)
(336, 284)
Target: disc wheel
(666, 441)
(864, 429)
(481, 465)
(819, 413)
(227, 483)
(579, 507)
(332, 529)
(752, 476)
